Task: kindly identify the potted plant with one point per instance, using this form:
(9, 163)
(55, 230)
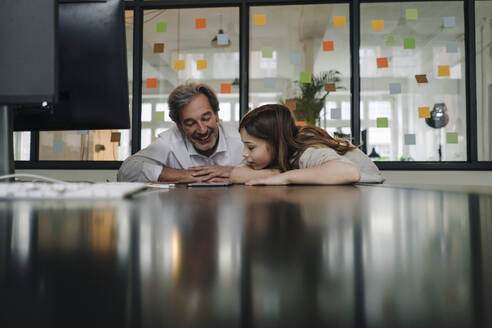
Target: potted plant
(311, 96)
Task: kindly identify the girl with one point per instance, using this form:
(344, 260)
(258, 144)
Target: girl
(277, 152)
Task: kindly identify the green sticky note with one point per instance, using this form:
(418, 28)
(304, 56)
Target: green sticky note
(382, 122)
(306, 77)
(412, 14)
(390, 40)
(161, 27)
(267, 52)
(452, 138)
(158, 116)
(409, 43)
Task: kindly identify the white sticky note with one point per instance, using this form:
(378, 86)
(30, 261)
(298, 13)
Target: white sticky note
(451, 47)
(410, 139)
(295, 58)
(269, 82)
(336, 113)
(394, 88)
(449, 21)
(222, 39)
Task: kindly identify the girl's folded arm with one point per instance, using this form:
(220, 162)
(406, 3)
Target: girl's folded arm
(330, 172)
(241, 174)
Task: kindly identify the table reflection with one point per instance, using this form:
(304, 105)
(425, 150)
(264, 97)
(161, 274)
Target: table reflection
(340, 256)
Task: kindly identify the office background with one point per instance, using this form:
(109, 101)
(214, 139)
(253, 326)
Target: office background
(396, 62)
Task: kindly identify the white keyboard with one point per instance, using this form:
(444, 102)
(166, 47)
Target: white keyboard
(72, 190)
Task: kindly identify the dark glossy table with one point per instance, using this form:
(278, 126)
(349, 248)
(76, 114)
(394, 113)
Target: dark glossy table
(297, 256)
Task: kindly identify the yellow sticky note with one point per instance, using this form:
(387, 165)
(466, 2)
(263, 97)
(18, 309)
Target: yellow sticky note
(201, 64)
(443, 70)
(260, 19)
(424, 112)
(378, 25)
(339, 21)
(179, 64)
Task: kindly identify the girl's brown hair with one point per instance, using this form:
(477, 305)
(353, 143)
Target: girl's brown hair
(276, 125)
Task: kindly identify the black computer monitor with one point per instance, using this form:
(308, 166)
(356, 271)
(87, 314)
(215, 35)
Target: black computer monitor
(66, 71)
(92, 74)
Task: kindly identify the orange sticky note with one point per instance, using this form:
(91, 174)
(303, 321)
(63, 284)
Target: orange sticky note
(443, 70)
(201, 64)
(424, 112)
(158, 48)
(328, 46)
(378, 25)
(291, 104)
(330, 87)
(339, 21)
(382, 62)
(225, 88)
(151, 83)
(200, 23)
(179, 64)
(260, 19)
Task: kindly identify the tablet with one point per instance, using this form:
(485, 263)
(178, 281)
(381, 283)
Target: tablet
(209, 184)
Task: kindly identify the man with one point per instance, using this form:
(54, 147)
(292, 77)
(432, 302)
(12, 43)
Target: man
(198, 148)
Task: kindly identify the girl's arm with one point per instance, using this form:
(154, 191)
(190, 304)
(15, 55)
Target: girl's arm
(328, 173)
(241, 174)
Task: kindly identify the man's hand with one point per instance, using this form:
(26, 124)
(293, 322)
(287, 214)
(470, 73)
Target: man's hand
(213, 173)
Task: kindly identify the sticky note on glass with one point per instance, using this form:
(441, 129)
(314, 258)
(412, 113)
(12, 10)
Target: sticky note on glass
(412, 14)
(339, 21)
(179, 64)
(201, 64)
(382, 122)
(82, 132)
(158, 116)
(151, 83)
(382, 62)
(305, 77)
(225, 87)
(390, 40)
(424, 112)
(394, 88)
(410, 139)
(451, 47)
(451, 137)
(222, 39)
(115, 136)
(330, 87)
(421, 78)
(57, 146)
(328, 46)
(409, 43)
(443, 70)
(267, 52)
(161, 27)
(260, 19)
(200, 23)
(158, 48)
(336, 113)
(378, 25)
(295, 58)
(291, 104)
(449, 21)
(269, 82)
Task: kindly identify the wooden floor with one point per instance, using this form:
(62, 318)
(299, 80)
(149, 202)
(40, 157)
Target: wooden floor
(293, 256)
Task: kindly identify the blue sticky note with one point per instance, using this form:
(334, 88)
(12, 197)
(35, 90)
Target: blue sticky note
(82, 132)
(269, 82)
(57, 146)
(449, 21)
(395, 88)
(451, 47)
(410, 139)
(336, 113)
(295, 59)
(222, 39)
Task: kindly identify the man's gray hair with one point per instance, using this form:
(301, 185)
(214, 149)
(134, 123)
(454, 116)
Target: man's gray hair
(185, 93)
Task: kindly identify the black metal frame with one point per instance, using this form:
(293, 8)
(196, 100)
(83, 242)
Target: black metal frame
(138, 6)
